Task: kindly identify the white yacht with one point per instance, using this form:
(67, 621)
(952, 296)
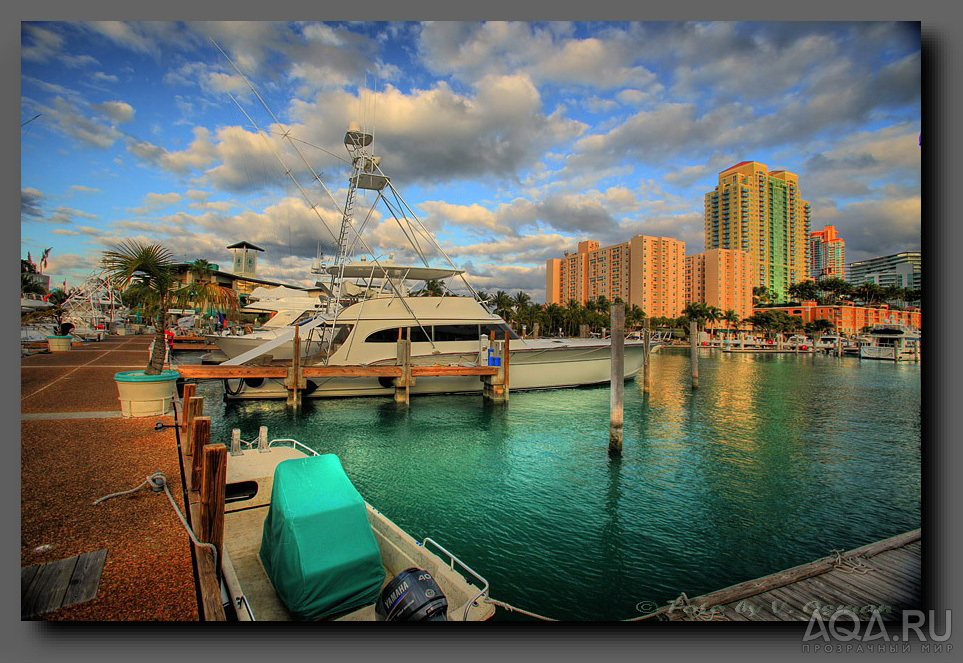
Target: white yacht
(892, 342)
(371, 306)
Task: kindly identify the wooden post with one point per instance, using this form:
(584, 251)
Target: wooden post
(213, 483)
(617, 379)
(200, 436)
(646, 372)
(495, 387)
(694, 351)
(839, 346)
(195, 409)
(294, 396)
(403, 384)
(190, 389)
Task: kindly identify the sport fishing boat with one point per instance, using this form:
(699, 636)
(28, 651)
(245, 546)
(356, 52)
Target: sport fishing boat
(893, 342)
(300, 543)
(371, 306)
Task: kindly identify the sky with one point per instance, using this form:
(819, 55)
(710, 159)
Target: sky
(510, 141)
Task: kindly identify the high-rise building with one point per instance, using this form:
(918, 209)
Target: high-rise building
(903, 270)
(762, 212)
(723, 278)
(827, 254)
(648, 272)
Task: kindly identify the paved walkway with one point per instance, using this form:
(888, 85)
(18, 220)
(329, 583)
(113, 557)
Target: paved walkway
(76, 448)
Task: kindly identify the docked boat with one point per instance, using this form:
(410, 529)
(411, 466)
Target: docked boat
(892, 342)
(300, 543)
(371, 306)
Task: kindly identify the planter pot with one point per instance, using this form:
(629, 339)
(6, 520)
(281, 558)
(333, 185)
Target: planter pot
(145, 395)
(59, 343)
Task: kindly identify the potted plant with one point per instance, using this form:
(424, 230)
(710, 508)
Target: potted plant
(147, 275)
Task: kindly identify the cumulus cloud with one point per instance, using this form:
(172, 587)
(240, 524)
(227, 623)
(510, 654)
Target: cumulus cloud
(30, 202)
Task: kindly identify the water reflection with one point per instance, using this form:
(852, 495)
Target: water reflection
(772, 462)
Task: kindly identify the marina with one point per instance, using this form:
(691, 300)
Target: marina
(734, 481)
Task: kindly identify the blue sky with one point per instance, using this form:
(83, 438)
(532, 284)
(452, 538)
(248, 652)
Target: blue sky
(511, 141)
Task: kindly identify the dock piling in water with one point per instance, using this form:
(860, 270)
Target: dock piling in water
(694, 351)
(617, 381)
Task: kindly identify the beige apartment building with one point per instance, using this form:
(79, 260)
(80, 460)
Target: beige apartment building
(723, 278)
(648, 272)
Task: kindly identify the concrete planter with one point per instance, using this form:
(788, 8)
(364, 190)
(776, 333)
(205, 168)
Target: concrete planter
(59, 343)
(145, 395)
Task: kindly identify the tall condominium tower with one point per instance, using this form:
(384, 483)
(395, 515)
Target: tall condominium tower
(646, 271)
(827, 254)
(762, 212)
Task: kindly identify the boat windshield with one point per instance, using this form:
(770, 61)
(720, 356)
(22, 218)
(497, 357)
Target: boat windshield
(438, 333)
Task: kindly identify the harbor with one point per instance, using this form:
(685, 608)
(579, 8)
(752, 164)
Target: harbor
(717, 486)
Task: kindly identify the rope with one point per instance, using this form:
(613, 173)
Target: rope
(512, 608)
(854, 564)
(158, 482)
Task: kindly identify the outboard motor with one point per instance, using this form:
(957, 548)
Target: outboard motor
(412, 596)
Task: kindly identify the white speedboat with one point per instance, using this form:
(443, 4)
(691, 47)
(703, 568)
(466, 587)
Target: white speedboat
(300, 543)
(892, 342)
(371, 307)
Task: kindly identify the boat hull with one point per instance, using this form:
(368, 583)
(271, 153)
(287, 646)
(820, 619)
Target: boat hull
(538, 366)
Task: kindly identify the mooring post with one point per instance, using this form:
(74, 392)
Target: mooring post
(839, 346)
(213, 486)
(292, 382)
(647, 339)
(403, 384)
(694, 351)
(617, 379)
(190, 389)
(200, 437)
(495, 387)
(195, 409)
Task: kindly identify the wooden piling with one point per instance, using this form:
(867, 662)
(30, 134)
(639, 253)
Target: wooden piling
(694, 351)
(194, 409)
(617, 379)
(213, 485)
(646, 355)
(496, 387)
(404, 383)
(190, 390)
(200, 437)
(293, 380)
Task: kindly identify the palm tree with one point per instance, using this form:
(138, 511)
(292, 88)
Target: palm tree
(30, 286)
(146, 273)
(805, 290)
(761, 295)
(503, 303)
(731, 318)
(432, 288)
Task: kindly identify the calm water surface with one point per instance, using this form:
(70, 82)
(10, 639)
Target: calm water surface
(774, 461)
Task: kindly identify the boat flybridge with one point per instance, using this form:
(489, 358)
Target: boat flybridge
(371, 306)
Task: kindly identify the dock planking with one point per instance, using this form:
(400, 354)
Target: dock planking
(886, 576)
(65, 582)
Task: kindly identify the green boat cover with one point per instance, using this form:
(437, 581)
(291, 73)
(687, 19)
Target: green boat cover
(317, 545)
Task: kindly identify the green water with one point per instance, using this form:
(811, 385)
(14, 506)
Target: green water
(774, 461)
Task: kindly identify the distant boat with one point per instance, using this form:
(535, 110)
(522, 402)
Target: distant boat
(891, 342)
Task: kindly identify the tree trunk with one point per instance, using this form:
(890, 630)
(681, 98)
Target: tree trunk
(159, 350)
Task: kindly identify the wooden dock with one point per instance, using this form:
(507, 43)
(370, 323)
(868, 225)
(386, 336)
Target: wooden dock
(295, 374)
(883, 576)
